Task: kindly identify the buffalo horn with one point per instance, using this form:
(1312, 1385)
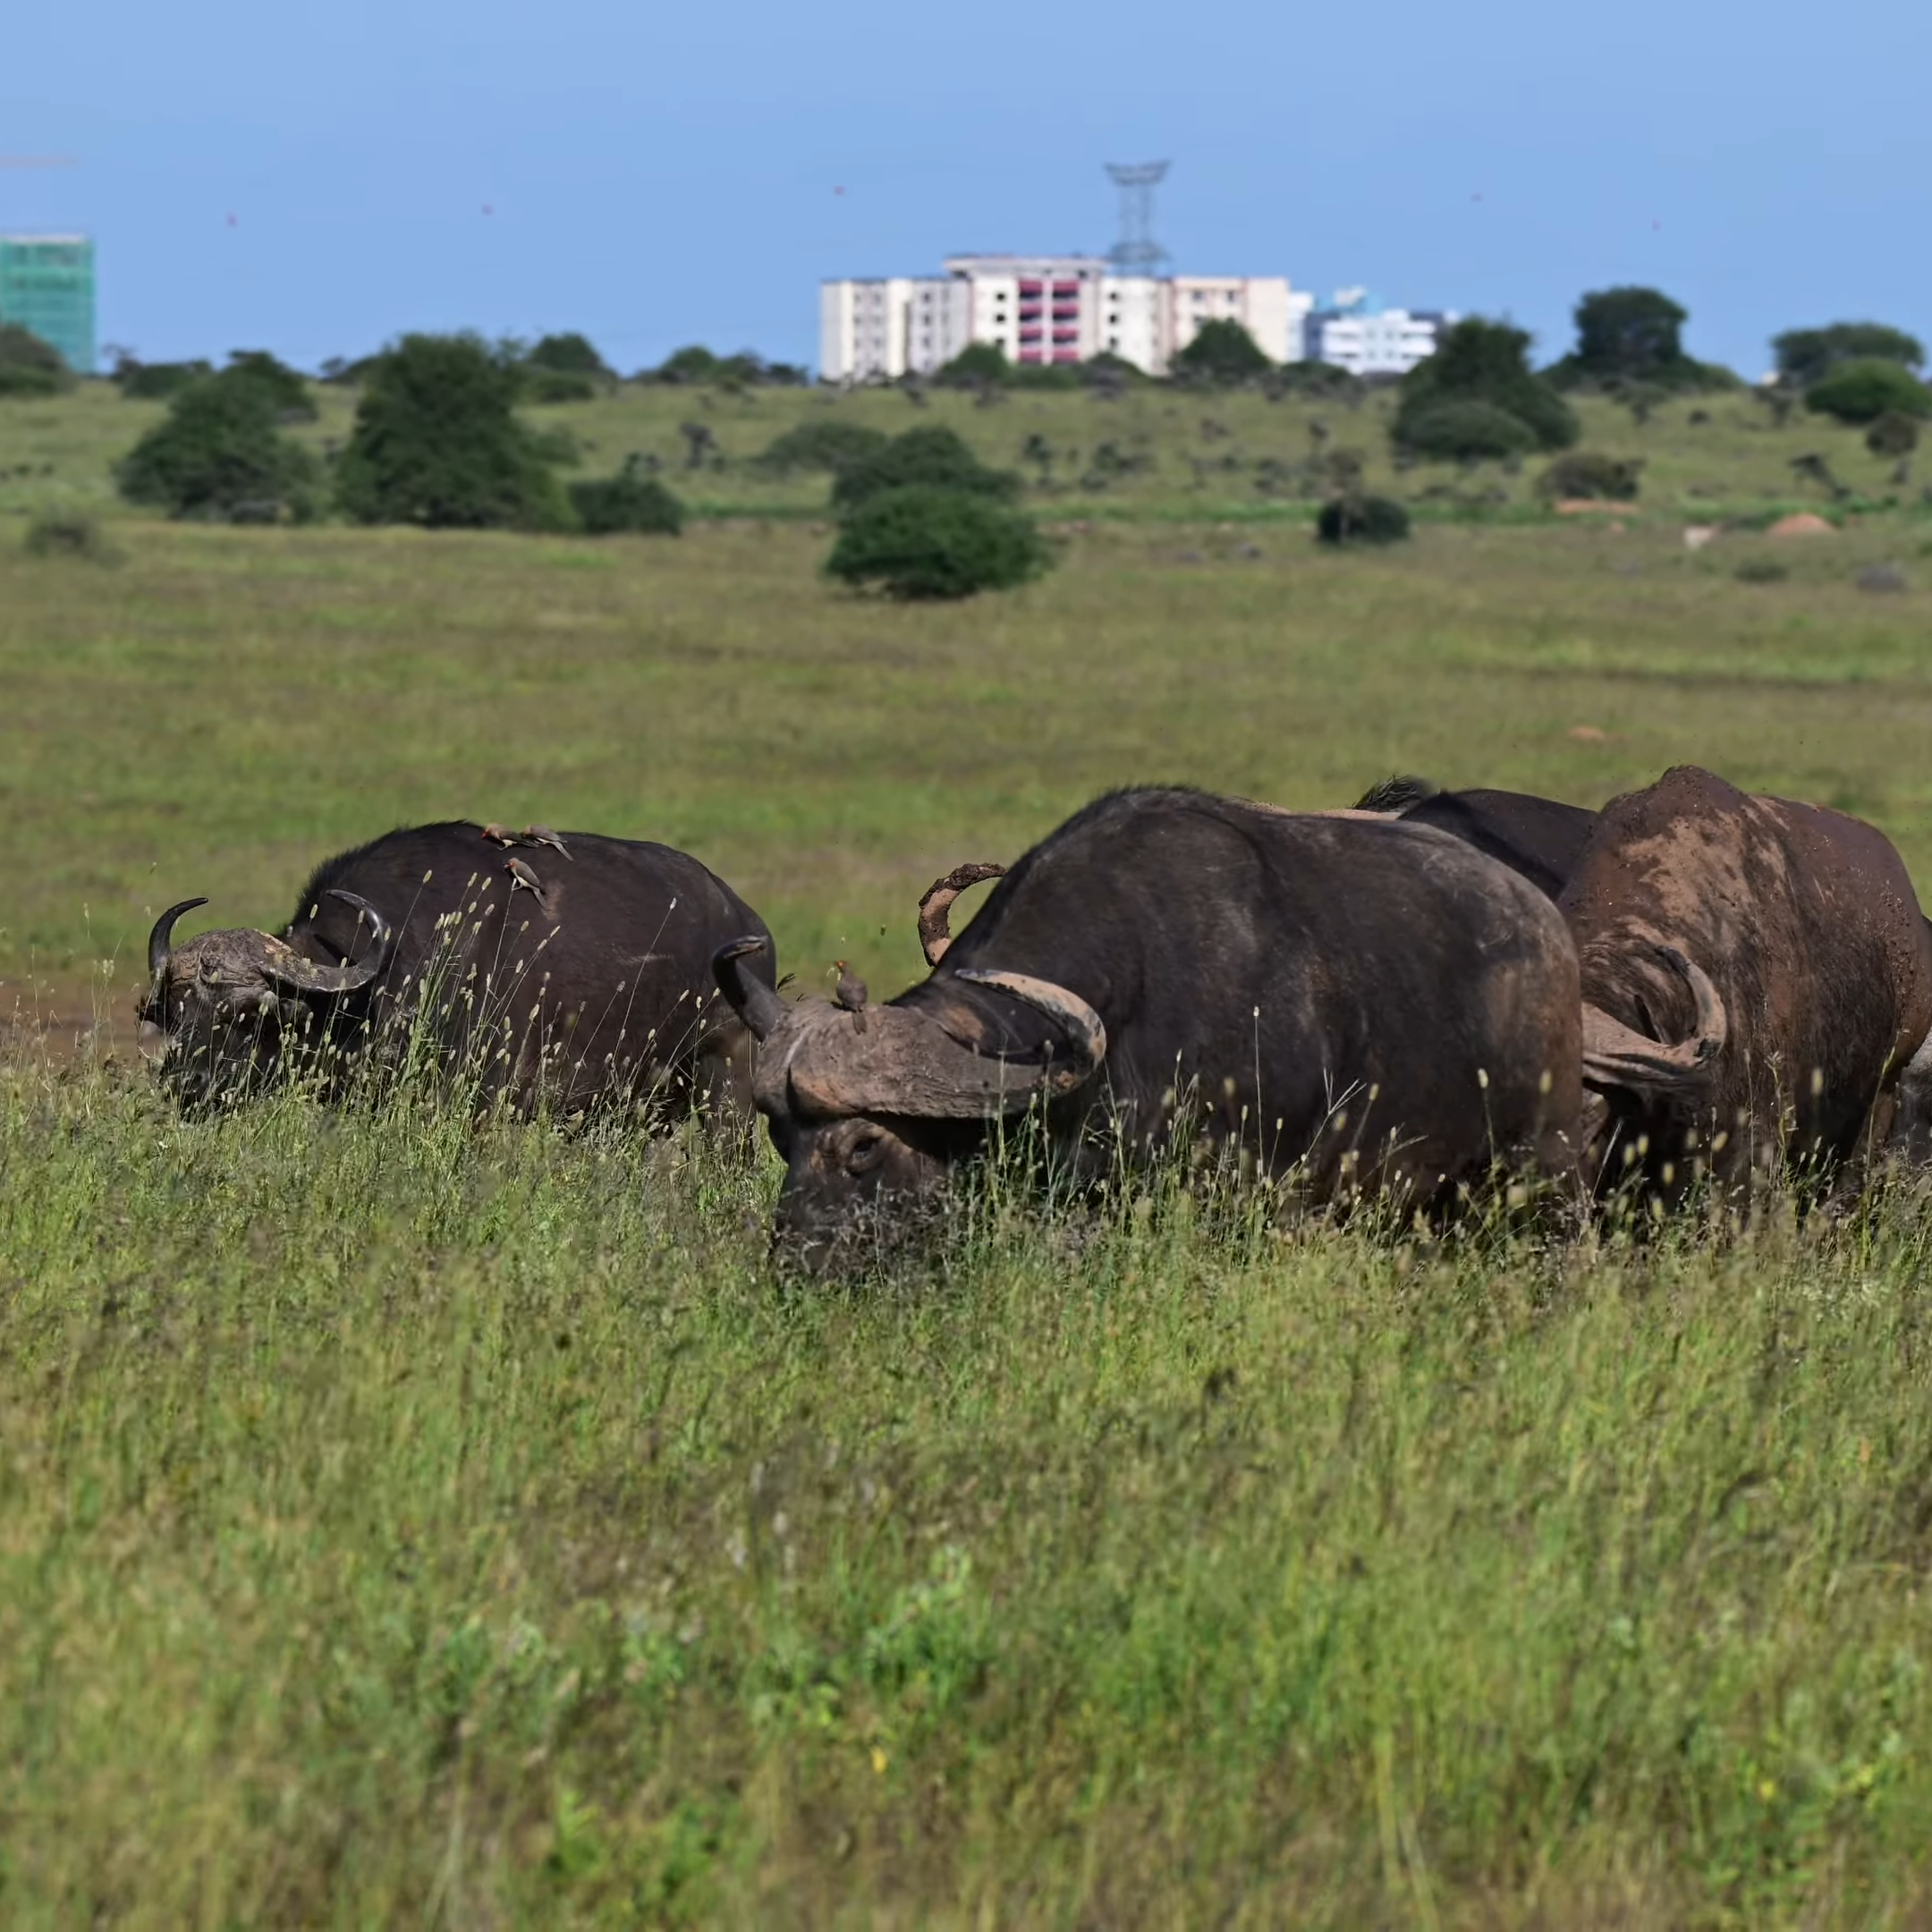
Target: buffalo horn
(754, 1002)
(160, 940)
(295, 974)
(1616, 1055)
(935, 931)
(1082, 1025)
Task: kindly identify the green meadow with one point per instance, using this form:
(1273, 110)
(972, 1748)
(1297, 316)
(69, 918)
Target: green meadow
(403, 1520)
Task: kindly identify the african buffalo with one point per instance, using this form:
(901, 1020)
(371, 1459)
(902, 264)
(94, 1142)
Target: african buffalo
(1539, 837)
(573, 971)
(1365, 1004)
(1758, 979)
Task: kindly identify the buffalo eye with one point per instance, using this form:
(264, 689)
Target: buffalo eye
(866, 1152)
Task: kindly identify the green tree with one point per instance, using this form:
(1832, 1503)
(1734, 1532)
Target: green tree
(1465, 429)
(287, 388)
(1222, 352)
(1861, 392)
(930, 454)
(30, 367)
(829, 443)
(1630, 337)
(629, 503)
(156, 382)
(570, 354)
(924, 541)
(220, 455)
(975, 366)
(437, 442)
(1808, 356)
(1481, 361)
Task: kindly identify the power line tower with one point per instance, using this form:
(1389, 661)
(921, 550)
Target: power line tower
(1137, 252)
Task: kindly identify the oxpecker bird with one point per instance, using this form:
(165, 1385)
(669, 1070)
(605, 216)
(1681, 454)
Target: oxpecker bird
(521, 875)
(542, 834)
(851, 994)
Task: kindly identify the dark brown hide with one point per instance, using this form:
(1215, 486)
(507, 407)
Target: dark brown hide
(1363, 1002)
(596, 988)
(1808, 927)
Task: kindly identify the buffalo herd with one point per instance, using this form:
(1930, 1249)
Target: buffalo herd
(1394, 1002)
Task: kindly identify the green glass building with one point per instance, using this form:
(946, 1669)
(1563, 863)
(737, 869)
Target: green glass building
(46, 284)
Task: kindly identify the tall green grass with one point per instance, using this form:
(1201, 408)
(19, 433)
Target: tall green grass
(402, 1520)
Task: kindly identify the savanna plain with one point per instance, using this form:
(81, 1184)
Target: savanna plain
(410, 1520)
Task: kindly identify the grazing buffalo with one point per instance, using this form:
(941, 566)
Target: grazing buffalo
(562, 969)
(1538, 837)
(1364, 1004)
(1758, 979)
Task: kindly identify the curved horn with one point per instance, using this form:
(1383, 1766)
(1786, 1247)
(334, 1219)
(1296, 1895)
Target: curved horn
(295, 974)
(1082, 1025)
(1615, 1056)
(935, 932)
(754, 1002)
(160, 940)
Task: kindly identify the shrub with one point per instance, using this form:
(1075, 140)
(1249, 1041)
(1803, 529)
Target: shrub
(1328, 381)
(566, 369)
(925, 541)
(1355, 519)
(1761, 569)
(1806, 356)
(1479, 361)
(1892, 435)
(437, 442)
(629, 503)
(1590, 476)
(1627, 335)
(570, 354)
(976, 365)
(828, 444)
(1467, 431)
(930, 454)
(220, 455)
(698, 364)
(69, 533)
(288, 387)
(1863, 391)
(156, 382)
(30, 367)
(1222, 352)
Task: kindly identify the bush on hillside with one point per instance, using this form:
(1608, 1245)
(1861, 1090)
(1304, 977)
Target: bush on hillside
(156, 382)
(220, 456)
(69, 533)
(696, 364)
(1324, 381)
(1590, 476)
(1222, 351)
(629, 503)
(1809, 355)
(1358, 519)
(566, 369)
(30, 367)
(1479, 361)
(437, 442)
(1467, 431)
(1892, 435)
(288, 388)
(925, 541)
(974, 367)
(1629, 336)
(930, 454)
(827, 444)
(1861, 392)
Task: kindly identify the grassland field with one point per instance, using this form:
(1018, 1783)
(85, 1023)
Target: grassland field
(401, 1521)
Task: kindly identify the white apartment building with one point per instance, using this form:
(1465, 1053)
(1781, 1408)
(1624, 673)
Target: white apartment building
(1357, 332)
(1042, 309)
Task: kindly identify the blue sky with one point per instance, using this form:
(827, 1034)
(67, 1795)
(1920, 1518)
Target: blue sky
(315, 181)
